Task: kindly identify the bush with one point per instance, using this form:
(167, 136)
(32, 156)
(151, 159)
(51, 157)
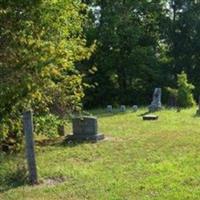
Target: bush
(11, 134)
(47, 125)
(185, 97)
(42, 43)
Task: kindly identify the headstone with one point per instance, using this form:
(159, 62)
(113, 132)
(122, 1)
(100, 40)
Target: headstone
(109, 108)
(30, 152)
(85, 128)
(135, 108)
(123, 108)
(150, 117)
(156, 102)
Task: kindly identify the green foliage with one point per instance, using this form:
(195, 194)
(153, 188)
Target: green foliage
(185, 96)
(41, 44)
(11, 134)
(172, 92)
(141, 45)
(127, 35)
(47, 125)
(179, 28)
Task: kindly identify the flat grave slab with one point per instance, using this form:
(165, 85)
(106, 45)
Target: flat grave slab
(150, 117)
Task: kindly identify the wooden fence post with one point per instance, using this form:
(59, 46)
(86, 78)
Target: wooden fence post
(30, 153)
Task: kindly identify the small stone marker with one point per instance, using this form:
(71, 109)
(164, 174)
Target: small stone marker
(123, 108)
(109, 108)
(156, 102)
(135, 108)
(85, 128)
(30, 152)
(150, 117)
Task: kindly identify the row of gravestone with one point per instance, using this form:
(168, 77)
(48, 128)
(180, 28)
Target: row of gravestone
(154, 106)
(86, 127)
(109, 108)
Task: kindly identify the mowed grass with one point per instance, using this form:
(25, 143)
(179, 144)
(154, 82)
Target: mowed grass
(137, 160)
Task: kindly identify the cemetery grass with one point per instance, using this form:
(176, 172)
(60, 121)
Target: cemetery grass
(137, 160)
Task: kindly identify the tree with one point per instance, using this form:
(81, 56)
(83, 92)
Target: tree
(41, 42)
(180, 30)
(185, 96)
(125, 62)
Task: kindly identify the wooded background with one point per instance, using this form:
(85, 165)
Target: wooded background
(59, 56)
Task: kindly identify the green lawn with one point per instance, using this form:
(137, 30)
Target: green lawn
(137, 160)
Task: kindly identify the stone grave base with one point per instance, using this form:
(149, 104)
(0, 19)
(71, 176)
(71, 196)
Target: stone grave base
(150, 117)
(154, 109)
(94, 138)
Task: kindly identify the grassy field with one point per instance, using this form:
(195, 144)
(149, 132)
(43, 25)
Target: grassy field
(137, 160)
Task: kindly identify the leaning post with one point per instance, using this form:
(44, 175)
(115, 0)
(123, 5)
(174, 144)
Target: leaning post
(29, 142)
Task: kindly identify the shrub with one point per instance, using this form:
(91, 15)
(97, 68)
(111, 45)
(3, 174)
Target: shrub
(41, 44)
(185, 96)
(47, 125)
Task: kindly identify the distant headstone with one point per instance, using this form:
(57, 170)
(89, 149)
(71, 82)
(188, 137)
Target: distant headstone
(156, 102)
(85, 128)
(123, 108)
(150, 117)
(109, 108)
(135, 108)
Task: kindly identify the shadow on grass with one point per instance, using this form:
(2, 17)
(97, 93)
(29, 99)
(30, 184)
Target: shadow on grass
(14, 178)
(71, 144)
(63, 142)
(143, 114)
(105, 114)
(49, 142)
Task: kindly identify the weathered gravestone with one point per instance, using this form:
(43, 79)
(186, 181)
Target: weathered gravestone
(156, 102)
(109, 108)
(123, 108)
(135, 108)
(85, 128)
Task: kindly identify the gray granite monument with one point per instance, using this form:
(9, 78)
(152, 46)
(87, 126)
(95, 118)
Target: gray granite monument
(156, 102)
(109, 108)
(85, 128)
(123, 108)
(135, 108)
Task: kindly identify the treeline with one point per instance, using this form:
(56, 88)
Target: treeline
(141, 45)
